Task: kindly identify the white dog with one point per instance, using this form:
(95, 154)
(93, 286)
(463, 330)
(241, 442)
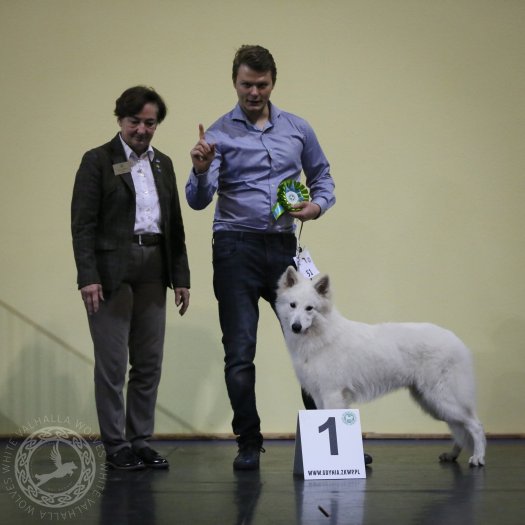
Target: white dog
(339, 362)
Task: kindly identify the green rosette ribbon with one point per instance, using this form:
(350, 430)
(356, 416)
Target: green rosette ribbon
(289, 194)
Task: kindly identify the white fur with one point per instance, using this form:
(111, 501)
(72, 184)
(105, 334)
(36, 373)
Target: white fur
(339, 362)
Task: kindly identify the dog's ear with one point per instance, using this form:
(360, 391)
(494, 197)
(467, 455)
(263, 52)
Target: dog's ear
(322, 286)
(289, 278)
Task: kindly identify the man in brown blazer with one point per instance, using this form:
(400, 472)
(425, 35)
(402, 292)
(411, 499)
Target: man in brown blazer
(129, 246)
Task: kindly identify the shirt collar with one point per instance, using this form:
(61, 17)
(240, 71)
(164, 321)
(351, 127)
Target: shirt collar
(238, 113)
(130, 153)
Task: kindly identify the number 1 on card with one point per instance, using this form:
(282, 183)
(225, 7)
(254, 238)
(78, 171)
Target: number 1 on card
(329, 425)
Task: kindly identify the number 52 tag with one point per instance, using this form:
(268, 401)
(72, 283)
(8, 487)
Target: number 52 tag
(305, 264)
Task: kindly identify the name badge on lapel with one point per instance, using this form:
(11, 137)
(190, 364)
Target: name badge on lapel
(122, 167)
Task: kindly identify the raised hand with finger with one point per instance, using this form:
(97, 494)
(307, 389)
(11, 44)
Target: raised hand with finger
(202, 153)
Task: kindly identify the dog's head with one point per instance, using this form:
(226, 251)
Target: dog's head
(302, 304)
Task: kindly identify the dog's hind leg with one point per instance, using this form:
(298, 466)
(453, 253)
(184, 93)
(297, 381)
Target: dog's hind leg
(458, 437)
(471, 431)
(475, 430)
(466, 429)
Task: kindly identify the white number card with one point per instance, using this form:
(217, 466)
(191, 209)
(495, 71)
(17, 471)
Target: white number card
(329, 445)
(305, 264)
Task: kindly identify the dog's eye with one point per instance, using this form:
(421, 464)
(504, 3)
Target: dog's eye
(292, 305)
(309, 308)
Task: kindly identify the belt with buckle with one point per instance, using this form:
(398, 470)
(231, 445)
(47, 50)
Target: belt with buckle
(147, 239)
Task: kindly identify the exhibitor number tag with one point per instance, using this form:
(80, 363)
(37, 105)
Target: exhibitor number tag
(305, 264)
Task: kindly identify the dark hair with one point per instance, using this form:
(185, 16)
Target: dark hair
(135, 98)
(255, 57)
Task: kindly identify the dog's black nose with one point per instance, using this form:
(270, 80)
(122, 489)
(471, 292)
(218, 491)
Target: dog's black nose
(296, 328)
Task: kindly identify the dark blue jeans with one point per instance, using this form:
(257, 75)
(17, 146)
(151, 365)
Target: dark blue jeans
(246, 267)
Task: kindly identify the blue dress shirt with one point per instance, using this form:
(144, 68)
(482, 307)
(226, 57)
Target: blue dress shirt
(249, 165)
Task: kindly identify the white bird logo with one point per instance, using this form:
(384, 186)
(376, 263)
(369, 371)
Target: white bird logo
(62, 469)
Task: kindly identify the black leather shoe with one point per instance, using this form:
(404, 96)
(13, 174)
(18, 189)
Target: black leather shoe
(368, 459)
(125, 459)
(248, 456)
(152, 458)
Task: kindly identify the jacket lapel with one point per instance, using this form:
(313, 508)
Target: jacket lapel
(158, 176)
(118, 156)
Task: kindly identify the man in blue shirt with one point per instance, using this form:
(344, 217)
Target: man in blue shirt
(243, 157)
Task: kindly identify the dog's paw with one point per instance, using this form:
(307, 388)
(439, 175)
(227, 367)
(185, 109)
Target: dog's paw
(476, 461)
(447, 457)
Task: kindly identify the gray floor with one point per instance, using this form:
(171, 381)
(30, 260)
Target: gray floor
(405, 485)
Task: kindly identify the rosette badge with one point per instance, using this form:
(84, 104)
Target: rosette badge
(289, 194)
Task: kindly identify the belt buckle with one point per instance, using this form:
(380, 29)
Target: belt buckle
(140, 239)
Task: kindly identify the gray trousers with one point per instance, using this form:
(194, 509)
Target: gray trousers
(130, 324)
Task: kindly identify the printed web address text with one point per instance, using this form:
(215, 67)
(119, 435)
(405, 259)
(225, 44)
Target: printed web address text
(335, 472)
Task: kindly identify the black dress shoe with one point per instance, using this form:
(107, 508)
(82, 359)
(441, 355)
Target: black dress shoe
(368, 459)
(124, 459)
(152, 458)
(248, 456)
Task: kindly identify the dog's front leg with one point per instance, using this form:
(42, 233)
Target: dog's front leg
(317, 399)
(333, 400)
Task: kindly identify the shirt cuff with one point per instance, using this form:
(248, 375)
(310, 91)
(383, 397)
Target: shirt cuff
(322, 205)
(199, 174)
